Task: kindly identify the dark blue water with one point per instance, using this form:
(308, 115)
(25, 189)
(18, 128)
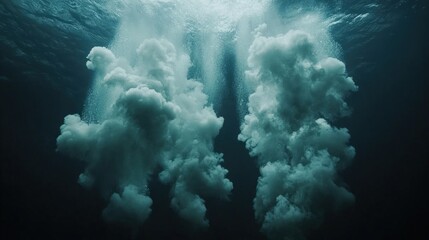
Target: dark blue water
(43, 78)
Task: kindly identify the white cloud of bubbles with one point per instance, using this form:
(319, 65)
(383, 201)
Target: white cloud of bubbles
(295, 95)
(143, 114)
(158, 118)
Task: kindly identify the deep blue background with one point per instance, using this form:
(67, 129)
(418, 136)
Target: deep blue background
(389, 127)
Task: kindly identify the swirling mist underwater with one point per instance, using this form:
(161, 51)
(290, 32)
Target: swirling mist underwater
(214, 119)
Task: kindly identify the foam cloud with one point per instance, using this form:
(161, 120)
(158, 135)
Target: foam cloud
(131, 207)
(158, 118)
(193, 167)
(295, 96)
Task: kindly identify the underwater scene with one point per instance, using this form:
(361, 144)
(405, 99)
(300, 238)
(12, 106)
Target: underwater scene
(214, 119)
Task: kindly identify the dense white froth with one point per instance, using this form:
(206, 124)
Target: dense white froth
(203, 29)
(295, 94)
(146, 111)
(159, 118)
(274, 22)
(131, 207)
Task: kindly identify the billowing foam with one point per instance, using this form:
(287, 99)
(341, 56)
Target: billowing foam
(294, 93)
(151, 105)
(158, 118)
(202, 29)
